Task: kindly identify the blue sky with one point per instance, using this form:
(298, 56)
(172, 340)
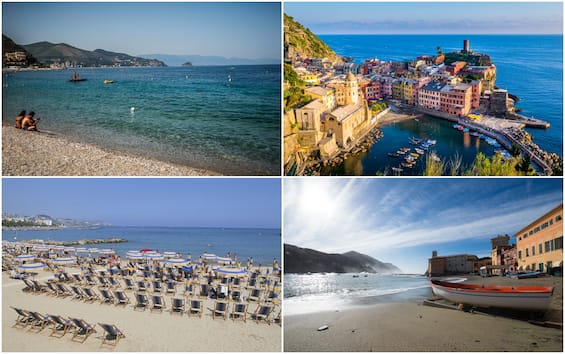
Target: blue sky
(429, 17)
(244, 30)
(205, 202)
(403, 220)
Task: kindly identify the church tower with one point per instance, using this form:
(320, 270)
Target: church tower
(351, 90)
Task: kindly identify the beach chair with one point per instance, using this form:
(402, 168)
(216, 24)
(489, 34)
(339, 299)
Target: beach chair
(278, 318)
(59, 325)
(78, 278)
(23, 319)
(254, 295)
(236, 295)
(38, 288)
(62, 291)
(121, 297)
(171, 287)
(89, 295)
(236, 283)
(141, 286)
(263, 312)
(88, 280)
(252, 283)
(189, 290)
(51, 289)
(220, 309)
(204, 290)
(158, 303)
(29, 287)
(273, 296)
(38, 321)
(195, 307)
(112, 335)
(77, 293)
(177, 305)
(103, 282)
(82, 330)
(65, 277)
(106, 296)
(129, 283)
(224, 281)
(239, 310)
(157, 286)
(113, 283)
(141, 301)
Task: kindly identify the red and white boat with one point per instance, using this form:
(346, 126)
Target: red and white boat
(514, 297)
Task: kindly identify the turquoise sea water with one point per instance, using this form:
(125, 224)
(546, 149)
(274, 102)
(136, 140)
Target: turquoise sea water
(306, 293)
(186, 115)
(529, 66)
(262, 244)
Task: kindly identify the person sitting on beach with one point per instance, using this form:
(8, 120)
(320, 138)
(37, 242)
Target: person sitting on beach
(29, 123)
(19, 119)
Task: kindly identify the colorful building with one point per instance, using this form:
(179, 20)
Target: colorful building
(540, 243)
(454, 264)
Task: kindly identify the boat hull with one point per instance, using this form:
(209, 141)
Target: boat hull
(519, 297)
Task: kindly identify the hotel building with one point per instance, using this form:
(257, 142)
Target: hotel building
(540, 243)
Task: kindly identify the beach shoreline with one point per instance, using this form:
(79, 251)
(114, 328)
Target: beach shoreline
(410, 326)
(43, 154)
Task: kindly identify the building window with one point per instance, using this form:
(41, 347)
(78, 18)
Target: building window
(559, 243)
(558, 218)
(533, 250)
(540, 248)
(547, 246)
(544, 225)
(520, 254)
(527, 253)
(550, 221)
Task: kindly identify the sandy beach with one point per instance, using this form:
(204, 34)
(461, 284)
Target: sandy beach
(53, 155)
(145, 331)
(412, 326)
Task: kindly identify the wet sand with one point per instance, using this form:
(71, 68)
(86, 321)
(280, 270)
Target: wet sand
(43, 154)
(414, 327)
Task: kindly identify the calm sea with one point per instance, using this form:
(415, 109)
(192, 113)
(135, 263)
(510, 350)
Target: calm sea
(186, 115)
(262, 244)
(529, 66)
(306, 293)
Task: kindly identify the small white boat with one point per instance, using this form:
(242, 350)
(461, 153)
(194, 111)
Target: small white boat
(514, 297)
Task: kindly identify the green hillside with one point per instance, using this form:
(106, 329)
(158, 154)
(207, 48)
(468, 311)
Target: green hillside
(304, 42)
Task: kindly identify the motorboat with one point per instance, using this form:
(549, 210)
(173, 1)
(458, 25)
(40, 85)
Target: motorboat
(75, 77)
(514, 297)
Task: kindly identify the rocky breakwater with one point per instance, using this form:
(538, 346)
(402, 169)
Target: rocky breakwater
(78, 242)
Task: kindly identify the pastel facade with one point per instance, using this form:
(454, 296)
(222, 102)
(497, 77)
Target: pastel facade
(453, 264)
(540, 243)
(347, 123)
(326, 95)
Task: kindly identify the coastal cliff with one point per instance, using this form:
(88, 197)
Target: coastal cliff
(300, 41)
(305, 260)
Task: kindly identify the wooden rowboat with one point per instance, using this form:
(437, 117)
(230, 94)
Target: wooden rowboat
(514, 297)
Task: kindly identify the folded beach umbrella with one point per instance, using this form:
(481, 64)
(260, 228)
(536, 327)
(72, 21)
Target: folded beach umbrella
(176, 262)
(231, 271)
(25, 257)
(31, 267)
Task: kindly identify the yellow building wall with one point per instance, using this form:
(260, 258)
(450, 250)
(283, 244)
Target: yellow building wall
(544, 231)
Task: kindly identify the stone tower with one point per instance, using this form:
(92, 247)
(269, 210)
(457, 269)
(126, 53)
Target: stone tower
(351, 89)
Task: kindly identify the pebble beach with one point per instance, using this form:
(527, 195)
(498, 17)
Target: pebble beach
(44, 154)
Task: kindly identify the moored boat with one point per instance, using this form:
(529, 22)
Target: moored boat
(514, 297)
(75, 77)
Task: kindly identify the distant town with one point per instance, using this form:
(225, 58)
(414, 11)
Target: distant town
(538, 248)
(46, 221)
(341, 102)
